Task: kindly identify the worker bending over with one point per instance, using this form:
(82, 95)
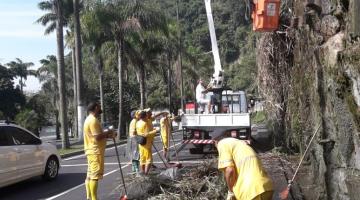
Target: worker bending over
(132, 147)
(245, 177)
(143, 129)
(94, 147)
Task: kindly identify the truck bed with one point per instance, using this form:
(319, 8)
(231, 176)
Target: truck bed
(213, 121)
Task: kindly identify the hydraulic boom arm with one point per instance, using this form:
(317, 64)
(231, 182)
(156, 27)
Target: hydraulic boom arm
(217, 79)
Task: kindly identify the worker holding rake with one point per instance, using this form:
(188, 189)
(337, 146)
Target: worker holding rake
(165, 127)
(145, 150)
(245, 177)
(94, 147)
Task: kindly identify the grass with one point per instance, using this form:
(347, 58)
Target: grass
(258, 117)
(73, 148)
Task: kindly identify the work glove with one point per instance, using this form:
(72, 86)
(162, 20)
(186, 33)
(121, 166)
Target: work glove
(230, 196)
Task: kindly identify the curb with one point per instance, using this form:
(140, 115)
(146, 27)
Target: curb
(82, 151)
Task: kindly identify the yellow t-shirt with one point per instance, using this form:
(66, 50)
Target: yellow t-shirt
(143, 130)
(252, 179)
(165, 131)
(92, 127)
(132, 127)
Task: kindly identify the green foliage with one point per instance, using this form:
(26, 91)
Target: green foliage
(29, 119)
(258, 118)
(11, 99)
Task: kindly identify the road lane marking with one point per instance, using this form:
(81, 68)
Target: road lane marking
(127, 163)
(76, 187)
(83, 155)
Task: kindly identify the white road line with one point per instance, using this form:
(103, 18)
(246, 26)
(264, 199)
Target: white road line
(79, 165)
(76, 187)
(83, 155)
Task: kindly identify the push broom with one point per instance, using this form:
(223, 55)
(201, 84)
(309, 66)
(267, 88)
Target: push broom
(123, 197)
(285, 193)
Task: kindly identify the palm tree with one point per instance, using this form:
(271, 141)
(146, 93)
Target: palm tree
(20, 70)
(117, 20)
(132, 18)
(69, 38)
(95, 36)
(56, 19)
(47, 74)
(79, 73)
(144, 55)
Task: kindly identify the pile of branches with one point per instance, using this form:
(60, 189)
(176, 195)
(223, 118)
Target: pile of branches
(200, 182)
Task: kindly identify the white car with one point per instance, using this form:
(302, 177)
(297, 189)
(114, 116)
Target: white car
(23, 155)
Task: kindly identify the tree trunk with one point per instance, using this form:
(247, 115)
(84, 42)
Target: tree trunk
(79, 73)
(101, 77)
(75, 93)
(61, 76)
(169, 83)
(21, 85)
(120, 76)
(142, 87)
(57, 127)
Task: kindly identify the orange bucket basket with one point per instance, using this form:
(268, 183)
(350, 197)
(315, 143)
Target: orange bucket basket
(265, 15)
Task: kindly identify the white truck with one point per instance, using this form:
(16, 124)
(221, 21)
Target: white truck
(229, 108)
(234, 117)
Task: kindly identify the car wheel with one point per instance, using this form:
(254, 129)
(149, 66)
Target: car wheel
(51, 169)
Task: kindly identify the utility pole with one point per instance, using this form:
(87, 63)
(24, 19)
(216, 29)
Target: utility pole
(180, 58)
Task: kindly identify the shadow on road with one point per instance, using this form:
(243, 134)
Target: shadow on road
(41, 189)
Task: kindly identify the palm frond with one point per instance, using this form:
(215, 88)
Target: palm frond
(50, 28)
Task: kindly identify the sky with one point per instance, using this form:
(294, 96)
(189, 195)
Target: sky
(21, 37)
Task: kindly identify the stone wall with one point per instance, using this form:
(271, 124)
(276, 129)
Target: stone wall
(309, 75)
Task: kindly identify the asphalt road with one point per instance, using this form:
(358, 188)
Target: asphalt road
(70, 183)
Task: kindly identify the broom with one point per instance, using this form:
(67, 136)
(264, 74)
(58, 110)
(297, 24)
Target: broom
(123, 197)
(285, 193)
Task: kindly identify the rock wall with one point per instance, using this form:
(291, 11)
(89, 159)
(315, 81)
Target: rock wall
(309, 74)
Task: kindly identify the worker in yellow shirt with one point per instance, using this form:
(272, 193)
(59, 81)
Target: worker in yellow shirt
(165, 129)
(94, 147)
(143, 129)
(132, 147)
(245, 177)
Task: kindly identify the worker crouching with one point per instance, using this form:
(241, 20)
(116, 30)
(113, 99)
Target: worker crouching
(143, 129)
(245, 177)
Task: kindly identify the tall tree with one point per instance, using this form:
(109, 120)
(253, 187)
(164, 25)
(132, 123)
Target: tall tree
(79, 74)
(11, 98)
(55, 19)
(135, 17)
(95, 36)
(20, 70)
(47, 74)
